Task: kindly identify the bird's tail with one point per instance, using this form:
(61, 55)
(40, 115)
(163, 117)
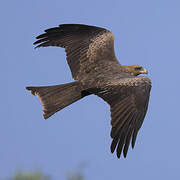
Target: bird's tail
(55, 98)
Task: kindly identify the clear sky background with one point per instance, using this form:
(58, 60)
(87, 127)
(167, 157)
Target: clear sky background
(146, 33)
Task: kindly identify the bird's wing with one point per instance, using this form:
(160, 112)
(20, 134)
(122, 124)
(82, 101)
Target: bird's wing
(86, 46)
(128, 101)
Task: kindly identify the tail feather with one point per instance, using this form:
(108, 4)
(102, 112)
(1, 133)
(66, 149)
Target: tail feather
(55, 98)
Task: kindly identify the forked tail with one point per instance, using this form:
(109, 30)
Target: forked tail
(55, 98)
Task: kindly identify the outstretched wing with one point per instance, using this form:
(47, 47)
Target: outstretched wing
(87, 47)
(128, 99)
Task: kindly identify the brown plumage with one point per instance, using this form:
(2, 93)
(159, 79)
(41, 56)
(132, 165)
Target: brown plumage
(91, 58)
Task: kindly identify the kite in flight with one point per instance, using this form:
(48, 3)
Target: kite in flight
(91, 58)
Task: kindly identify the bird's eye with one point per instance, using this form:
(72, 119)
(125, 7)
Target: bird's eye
(138, 68)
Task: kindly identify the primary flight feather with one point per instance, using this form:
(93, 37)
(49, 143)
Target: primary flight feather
(91, 58)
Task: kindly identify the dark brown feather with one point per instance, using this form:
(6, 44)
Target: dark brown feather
(127, 111)
(55, 98)
(83, 44)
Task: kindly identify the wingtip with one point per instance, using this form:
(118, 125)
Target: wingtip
(124, 154)
(37, 47)
(133, 145)
(118, 154)
(134, 139)
(112, 149)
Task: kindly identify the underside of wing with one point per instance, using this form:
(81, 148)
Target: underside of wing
(87, 47)
(128, 101)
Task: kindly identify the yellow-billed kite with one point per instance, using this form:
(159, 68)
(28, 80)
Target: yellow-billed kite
(91, 58)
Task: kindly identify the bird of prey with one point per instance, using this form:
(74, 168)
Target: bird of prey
(91, 58)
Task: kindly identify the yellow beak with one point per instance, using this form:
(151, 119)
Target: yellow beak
(144, 71)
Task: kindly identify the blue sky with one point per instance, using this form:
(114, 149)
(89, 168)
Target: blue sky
(146, 33)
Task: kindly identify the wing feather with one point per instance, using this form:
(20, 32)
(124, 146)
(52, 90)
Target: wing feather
(127, 142)
(128, 110)
(120, 144)
(85, 46)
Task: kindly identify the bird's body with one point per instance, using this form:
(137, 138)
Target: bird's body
(91, 58)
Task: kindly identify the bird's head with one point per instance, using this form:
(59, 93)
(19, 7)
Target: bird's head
(135, 70)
